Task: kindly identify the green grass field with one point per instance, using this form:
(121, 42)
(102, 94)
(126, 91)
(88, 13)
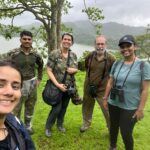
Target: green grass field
(96, 138)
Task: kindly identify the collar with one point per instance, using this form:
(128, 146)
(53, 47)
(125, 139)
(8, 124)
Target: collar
(31, 50)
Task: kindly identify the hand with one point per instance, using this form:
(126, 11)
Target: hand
(62, 87)
(139, 114)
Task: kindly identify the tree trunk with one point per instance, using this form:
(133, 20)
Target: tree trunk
(59, 14)
(52, 34)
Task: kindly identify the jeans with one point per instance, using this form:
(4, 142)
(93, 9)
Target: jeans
(58, 112)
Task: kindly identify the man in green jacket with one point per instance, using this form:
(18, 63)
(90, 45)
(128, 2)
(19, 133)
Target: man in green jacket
(29, 62)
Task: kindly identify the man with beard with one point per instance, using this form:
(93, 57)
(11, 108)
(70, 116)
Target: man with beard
(98, 64)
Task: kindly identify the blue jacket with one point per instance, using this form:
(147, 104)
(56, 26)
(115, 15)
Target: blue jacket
(21, 140)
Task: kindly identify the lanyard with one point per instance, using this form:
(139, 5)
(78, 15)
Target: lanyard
(126, 75)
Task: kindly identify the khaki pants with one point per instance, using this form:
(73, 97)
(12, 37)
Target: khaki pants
(28, 99)
(88, 107)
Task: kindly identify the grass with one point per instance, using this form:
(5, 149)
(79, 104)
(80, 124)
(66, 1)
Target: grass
(96, 138)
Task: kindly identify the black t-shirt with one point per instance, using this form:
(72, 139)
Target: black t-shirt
(4, 144)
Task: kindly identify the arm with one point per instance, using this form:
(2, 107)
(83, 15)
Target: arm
(139, 114)
(61, 86)
(107, 92)
(71, 70)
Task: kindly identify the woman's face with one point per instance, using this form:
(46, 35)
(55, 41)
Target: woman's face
(127, 49)
(66, 42)
(10, 89)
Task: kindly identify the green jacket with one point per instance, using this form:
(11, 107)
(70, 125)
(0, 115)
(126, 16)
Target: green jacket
(27, 62)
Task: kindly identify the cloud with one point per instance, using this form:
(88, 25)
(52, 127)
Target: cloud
(129, 12)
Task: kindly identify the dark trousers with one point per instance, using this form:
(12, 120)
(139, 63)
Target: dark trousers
(121, 118)
(58, 112)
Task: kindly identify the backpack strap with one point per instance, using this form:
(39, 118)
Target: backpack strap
(141, 68)
(19, 134)
(89, 61)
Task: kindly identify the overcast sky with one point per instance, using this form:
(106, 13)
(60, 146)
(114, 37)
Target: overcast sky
(128, 12)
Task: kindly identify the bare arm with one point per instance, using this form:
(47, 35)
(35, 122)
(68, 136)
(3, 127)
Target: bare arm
(139, 114)
(61, 86)
(71, 70)
(107, 92)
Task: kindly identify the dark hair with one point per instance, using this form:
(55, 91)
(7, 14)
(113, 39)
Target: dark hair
(69, 34)
(26, 33)
(9, 63)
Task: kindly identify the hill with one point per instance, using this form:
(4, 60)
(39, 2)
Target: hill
(84, 32)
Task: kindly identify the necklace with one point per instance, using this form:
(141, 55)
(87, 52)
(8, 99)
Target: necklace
(3, 128)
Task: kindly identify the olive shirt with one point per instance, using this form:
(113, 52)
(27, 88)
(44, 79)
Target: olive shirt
(132, 86)
(58, 65)
(27, 62)
(96, 70)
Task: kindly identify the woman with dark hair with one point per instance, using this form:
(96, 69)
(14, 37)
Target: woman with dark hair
(128, 88)
(56, 67)
(13, 135)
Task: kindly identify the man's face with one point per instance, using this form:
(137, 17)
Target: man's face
(10, 89)
(100, 43)
(26, 41)
(66, 41)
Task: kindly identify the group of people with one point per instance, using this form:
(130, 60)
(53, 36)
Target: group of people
(119, 86)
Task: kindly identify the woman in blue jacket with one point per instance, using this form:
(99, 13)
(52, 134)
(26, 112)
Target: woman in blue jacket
(13, 135)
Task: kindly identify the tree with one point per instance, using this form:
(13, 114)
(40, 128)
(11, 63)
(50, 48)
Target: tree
(143, 42)
(48, 12)
(94, 15)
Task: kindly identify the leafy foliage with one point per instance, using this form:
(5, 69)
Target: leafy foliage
(94, 15)
(48, 12)
(143, 42)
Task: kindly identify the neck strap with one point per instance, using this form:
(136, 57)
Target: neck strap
(126, 75)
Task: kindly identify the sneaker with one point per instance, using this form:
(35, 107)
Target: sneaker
(30, 130)
(61, 129)
(48, 133)
(83, 129)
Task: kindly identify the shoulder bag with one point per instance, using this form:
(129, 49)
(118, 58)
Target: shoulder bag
(51, 94)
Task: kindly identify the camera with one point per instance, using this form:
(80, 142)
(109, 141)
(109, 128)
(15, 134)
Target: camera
(71, 90)
(117, 91)
(93, 90)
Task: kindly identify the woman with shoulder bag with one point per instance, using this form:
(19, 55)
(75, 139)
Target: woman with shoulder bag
(57, 69)
(128, 88)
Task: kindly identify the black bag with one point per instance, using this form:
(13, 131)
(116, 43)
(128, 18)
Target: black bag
(51, 94)
(76, 99)
(93, 91)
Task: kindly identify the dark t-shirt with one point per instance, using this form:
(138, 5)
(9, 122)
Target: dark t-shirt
(4, 144)
(98, 75)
